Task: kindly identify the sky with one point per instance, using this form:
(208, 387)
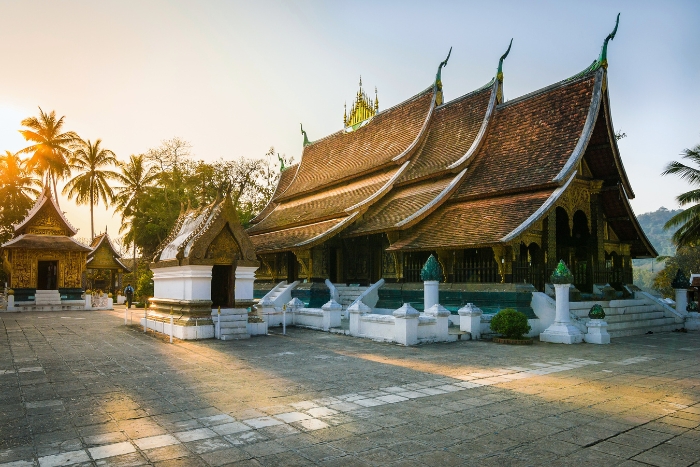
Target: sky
(237, 77)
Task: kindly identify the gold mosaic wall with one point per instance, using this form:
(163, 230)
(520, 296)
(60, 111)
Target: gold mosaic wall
(23, 267)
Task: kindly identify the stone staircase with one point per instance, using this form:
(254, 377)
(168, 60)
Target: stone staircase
(347, 294)
(47, 298)
(633, 317)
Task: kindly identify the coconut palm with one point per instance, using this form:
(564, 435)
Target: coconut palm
(18, 189)
(689, 219)
(49, 156)
(90, 185)
(135, 177)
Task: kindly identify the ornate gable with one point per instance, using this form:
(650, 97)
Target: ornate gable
(45, 218)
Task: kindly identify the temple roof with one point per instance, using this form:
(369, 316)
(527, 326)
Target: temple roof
(386, 140)
(45, 218)
(476, 170)
(210, 234)
(104, 255)
(46, 242)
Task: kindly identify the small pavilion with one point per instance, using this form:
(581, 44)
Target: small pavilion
(104, 265)
(43, 255)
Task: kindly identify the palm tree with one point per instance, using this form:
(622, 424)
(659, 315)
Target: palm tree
(17, 190)
(689, 220)
(52, 149)
(135, 178)
(90, 185)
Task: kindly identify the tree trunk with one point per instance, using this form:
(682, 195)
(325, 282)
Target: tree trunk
(92, 219)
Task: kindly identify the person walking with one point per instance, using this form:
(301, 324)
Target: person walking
(129, 293)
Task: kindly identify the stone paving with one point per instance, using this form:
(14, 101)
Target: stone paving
(81, 388)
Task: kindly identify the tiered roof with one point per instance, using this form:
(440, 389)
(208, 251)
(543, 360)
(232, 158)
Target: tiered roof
(104, 255)
(45, 228)
(481, 169)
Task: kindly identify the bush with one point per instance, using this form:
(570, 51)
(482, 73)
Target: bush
(510, 323)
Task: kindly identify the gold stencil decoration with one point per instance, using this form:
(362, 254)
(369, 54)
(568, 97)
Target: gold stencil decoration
(224, 249)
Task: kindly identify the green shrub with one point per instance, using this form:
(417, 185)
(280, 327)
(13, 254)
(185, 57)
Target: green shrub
(510, 323)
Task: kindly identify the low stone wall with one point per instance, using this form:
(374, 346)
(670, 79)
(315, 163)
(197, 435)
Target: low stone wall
(404, 326)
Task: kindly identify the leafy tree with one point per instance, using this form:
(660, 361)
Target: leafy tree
(689, 219)
(687, 258)
(51, 152)
(18, 190)
(91, 185)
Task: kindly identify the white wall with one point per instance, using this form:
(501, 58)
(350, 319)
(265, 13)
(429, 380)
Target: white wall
(183, 282)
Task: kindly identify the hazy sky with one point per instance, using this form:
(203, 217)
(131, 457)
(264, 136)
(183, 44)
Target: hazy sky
(235, 78)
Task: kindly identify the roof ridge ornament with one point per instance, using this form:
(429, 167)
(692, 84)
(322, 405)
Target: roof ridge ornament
(362, 110)
(499, 73)
(306, 138)
(603, 58)
(438, 80)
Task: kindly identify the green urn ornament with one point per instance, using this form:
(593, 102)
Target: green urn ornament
(597, 312)
(561, 274)
(431, 270)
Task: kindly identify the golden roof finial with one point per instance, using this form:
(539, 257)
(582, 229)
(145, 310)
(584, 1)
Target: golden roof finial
(362, 109)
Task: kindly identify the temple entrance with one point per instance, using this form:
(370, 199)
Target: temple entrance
(47, 275)
(222, 286)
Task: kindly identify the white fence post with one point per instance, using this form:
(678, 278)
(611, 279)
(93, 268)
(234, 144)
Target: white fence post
(171, 325)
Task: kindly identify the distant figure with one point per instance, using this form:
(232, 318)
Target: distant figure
(129, 292)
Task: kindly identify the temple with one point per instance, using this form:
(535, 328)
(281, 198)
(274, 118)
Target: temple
(104, 266)
(43, 261)
(498, 190)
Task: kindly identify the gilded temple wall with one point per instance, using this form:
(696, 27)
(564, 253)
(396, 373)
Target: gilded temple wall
(23, 267)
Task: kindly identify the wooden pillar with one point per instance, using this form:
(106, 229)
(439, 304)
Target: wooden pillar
(552, 259)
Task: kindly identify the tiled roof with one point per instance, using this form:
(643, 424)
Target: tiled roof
(329, 203)
(283, 183)
(344, 155)
(397, 206)
(530, 140)
(45, 199)
(472, 223)
(286, 239)
(46, 242)
(452, 131)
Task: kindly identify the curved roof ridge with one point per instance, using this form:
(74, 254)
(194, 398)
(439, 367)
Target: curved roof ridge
(587, 130)
(476, 144)
(535, 216)
(41, 200)
(271, 202)
(585, 74)
(434, 203)
(339, 226)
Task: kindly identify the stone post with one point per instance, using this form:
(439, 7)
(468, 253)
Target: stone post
(562, 331)
(293, 306)
(431, 274)
(88, 301)
(680, 284)
(356, 310)
(10, 303)
(442, 315)
(406, 325)
(267, 310)
(470, 320)
(331, 314)
(245, 277)
(597, 327)
(692, 321)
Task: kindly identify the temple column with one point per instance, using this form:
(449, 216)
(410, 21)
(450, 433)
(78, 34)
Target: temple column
(552, 259)
(598, 232)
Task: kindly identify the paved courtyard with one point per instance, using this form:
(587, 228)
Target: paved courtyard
(81, 388)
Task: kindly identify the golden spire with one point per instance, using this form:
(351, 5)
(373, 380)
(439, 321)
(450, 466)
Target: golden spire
(362, 109)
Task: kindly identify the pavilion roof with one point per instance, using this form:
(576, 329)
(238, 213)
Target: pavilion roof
(45, 242)
(46, 216)
(104, 255)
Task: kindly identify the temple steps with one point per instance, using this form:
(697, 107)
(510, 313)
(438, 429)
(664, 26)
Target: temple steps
(47, 297)
(635, 317)
(347, 294)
